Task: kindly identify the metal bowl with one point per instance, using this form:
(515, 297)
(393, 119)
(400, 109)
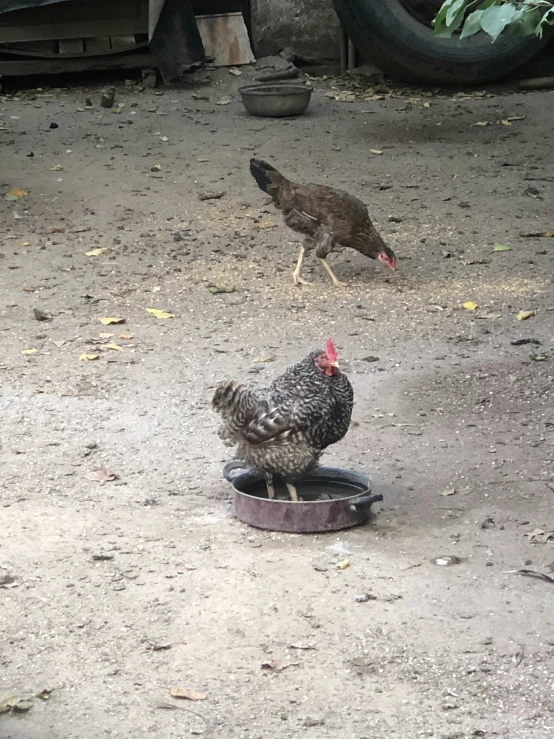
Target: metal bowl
(330, 499)
(276, 100)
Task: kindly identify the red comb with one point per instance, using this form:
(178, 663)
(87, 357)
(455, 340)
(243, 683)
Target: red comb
(331, 351)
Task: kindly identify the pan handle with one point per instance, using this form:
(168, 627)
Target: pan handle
(365, 501)
(234, 466)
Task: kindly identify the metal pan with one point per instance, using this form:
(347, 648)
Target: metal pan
(348, 500)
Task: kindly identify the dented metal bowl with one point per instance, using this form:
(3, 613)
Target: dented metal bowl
(330, 499)
(275, 100)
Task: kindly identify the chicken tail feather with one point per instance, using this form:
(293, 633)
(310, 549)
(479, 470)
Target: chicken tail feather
(269, 179)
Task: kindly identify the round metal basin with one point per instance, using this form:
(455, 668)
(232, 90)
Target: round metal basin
(275, 100)
(330, 499)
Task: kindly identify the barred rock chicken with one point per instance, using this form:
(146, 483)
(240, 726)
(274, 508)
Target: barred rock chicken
(327, 218)
(283, 429)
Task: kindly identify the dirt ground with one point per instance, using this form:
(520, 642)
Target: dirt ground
(113, 592)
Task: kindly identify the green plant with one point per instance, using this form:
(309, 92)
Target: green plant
(494, 17)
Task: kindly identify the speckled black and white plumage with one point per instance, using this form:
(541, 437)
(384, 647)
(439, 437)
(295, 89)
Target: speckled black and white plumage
(284, 428)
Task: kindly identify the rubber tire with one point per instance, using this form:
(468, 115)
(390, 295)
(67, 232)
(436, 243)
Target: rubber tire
(385, 32)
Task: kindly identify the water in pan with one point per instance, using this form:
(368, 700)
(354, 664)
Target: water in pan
(308, 490)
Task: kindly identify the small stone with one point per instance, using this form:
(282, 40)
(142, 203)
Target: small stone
(108, 98)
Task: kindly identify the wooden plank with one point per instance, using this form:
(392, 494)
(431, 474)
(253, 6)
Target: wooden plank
(98, 45)
(72, 46)
(70, 20)
(30, 48)
(123, 43)
(79, 64)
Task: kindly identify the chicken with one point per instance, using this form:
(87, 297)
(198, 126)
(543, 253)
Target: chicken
(327, 218)
(283, 429)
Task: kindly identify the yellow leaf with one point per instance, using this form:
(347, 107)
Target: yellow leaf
(426, 105)
(88, 357)
(56, 168)
(29, 351)
(192, 695)
(160, 313)
(105, 336)
(95, 252)
(376, 151)
(25, 243)
(523, 315)
(450, 491)
(343, 565)
(115, 347)
(469, 305)
(505, 123)
(107, 321)
(126, 336)
(164, 138)
(156, 168)
(482, 123)
(15, 194)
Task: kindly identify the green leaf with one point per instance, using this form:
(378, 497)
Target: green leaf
(495, 19)
(472, 24)
(501, 247)
(546, 20)
(525, 21)
(450, 17)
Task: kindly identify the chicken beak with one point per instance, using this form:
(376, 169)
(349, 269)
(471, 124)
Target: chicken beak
(334, 364)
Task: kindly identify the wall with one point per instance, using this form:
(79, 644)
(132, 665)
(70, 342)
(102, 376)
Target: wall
(309, 27)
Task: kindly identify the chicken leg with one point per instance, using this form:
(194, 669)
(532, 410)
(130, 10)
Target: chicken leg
(296, 274)
(270, 486)
(292, 491)
(326, 245)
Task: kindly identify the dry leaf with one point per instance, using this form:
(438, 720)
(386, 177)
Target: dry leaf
(114, 347)
(505, 122)
(95, 252)
(15, 194)
(482, 123)
(56, 168)
(11, 702)
(156, 168)
(501, 247)
(450, 491)
(353, 424)
(29, 351)
(105, 336)
(191, 695)
(523, 315)
(343, 565)
(101, 475)
(88, 357)
(225, 100)
(124, 336)
(107, 321)
(160, 313)
(469, 305)
(538, 536)
(260, 360)
(375, 151)
(277, 665)
(164, 138)
(25, 243)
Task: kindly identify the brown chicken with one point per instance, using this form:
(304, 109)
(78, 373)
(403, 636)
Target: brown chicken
(327, 218)
(284, 428)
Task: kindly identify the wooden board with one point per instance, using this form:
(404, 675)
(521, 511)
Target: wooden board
(72, 20)
(79, 64)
